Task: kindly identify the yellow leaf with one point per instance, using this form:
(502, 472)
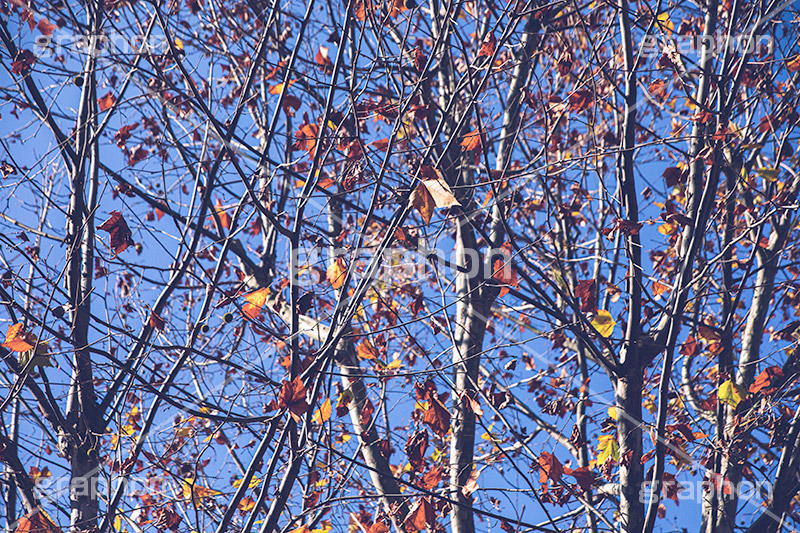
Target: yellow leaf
(18, 340)
(178, 43)
(612, 412)
(668, 228)
(254, 482)
(197, 492)
(607, 448)
(603, 323)
(323, 414)
(730, 393)
(769, 174)
(666, 23)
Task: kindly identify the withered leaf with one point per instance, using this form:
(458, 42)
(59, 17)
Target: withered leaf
(117, 228)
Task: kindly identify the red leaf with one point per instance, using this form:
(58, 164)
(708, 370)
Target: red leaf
(117, 228)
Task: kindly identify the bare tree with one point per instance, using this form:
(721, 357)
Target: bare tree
(384, 266)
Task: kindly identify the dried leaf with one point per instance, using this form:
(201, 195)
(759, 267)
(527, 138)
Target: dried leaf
(117, 228)
(367, 351)
(293, 398)
(549, 467)
(489, 46)
(422, 201)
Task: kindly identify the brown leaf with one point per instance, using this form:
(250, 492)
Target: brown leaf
(367, 351)
(440, 192)
(23, 62)
(488, 46)
(293, 398)
(764, 381)
(473, 141)
(416, 447)
(550, 467)
(322, 59)
(581, 100)
(422, 201)
(46, 27)
(37, 521)
(156, 321)
(583, 476)
(117, 228)
(432, 478)
(421, 516)
(7, 169)
(437, 417)
(587, 294)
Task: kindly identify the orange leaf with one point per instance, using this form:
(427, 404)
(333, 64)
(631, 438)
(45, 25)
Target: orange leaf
(337, 272)
(473, 141)
(488, 46)
(381, 144)
(422, 201)
(322, 58)
(37, 521)
(18, 340)
(764, 381)
(550, 467)
(440, 192)
(224, 217)
(367, 351)
(46, 27)
(276, 89)
(106, 102)
(247, 504)
(659, 288)
(255, 302)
